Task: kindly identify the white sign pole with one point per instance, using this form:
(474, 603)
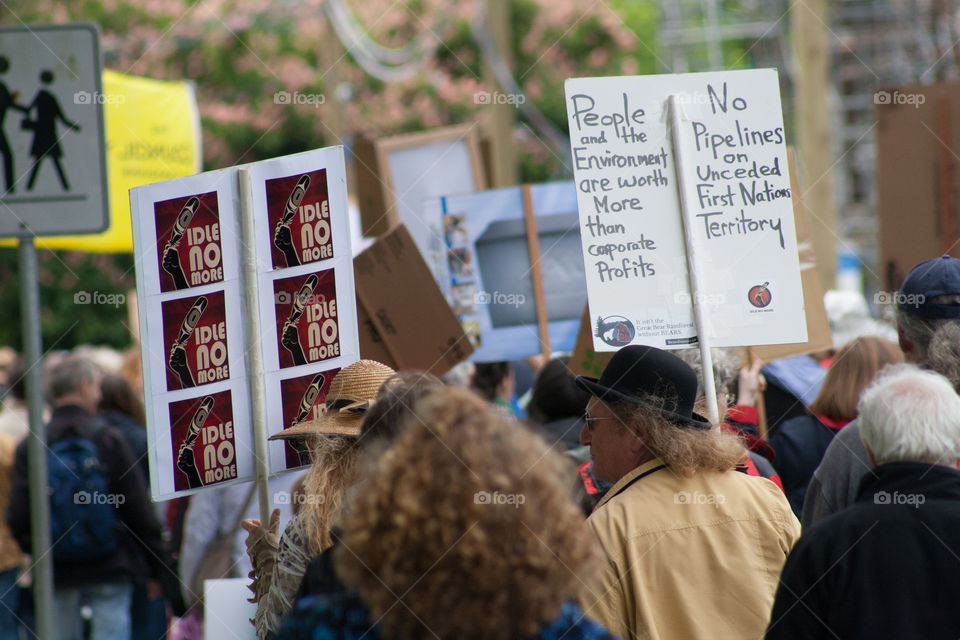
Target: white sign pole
(699, 313)
(251, 310)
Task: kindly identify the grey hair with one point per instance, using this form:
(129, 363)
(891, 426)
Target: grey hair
(68, 375)
(910, 415)
(920, 331)
(726, 366)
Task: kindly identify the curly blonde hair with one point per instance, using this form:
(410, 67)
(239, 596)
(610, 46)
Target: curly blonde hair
(466, 529)
(686, 450)
(333, 458)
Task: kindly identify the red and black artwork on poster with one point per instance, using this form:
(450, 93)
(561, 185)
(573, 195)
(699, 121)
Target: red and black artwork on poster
(306, 317)
(303, 400)
(298, 211)
(195, 340)
(188, 241)
(204, 450)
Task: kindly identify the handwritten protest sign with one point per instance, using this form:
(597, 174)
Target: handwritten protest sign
(731, 158)
(196, 342)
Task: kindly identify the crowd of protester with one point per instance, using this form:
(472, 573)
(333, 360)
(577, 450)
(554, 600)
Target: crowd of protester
(515, 500)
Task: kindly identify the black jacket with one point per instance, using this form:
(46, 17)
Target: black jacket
(142, 551)
(799, 445)
(886, 567)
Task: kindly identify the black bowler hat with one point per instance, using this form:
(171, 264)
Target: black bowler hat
(644, 375)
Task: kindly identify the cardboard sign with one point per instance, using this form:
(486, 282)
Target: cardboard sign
(405, 322)
(396, 175)
(487, 274)
(187, 236)
(731, 160)
(584, 361)
(918, 213)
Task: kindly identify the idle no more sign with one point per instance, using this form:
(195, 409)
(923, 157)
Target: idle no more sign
(187, 238)
(732, 158)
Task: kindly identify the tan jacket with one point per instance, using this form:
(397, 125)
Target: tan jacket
(689, 558)
(10, 556)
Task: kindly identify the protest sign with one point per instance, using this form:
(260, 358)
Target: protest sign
(307, 311)
(396, 175)
(198, 340)
(584, 361)
(730, 154)
(918, 128)
(487, 274)
(404, 320)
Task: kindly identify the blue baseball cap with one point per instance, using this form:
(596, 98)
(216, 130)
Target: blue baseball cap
(927, 280)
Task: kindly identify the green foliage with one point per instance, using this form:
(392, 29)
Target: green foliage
(82, 299)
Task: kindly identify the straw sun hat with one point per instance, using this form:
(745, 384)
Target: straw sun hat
(351, 393)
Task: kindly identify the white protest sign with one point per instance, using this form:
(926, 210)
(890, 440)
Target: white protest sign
(192, 292)
(733, 158)
(308, 314)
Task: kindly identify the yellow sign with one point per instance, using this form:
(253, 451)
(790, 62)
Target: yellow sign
(153, 134)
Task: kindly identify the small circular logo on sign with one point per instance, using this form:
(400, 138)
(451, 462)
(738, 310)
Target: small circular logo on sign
(616, 331)
(760, 296)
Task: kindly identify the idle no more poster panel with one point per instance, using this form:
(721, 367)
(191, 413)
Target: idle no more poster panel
(186, 242)
(194, 337)
(303, 400)
(740, 208)
(308, 314)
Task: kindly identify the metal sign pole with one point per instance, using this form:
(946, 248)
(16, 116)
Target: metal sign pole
(42, 569)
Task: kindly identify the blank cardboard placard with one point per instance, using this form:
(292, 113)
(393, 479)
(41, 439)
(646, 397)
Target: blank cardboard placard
(405, 321)
(918, 126)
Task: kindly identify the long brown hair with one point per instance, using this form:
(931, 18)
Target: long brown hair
(852, 369)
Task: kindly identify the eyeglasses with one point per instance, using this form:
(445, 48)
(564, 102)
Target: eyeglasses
(589, 420)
